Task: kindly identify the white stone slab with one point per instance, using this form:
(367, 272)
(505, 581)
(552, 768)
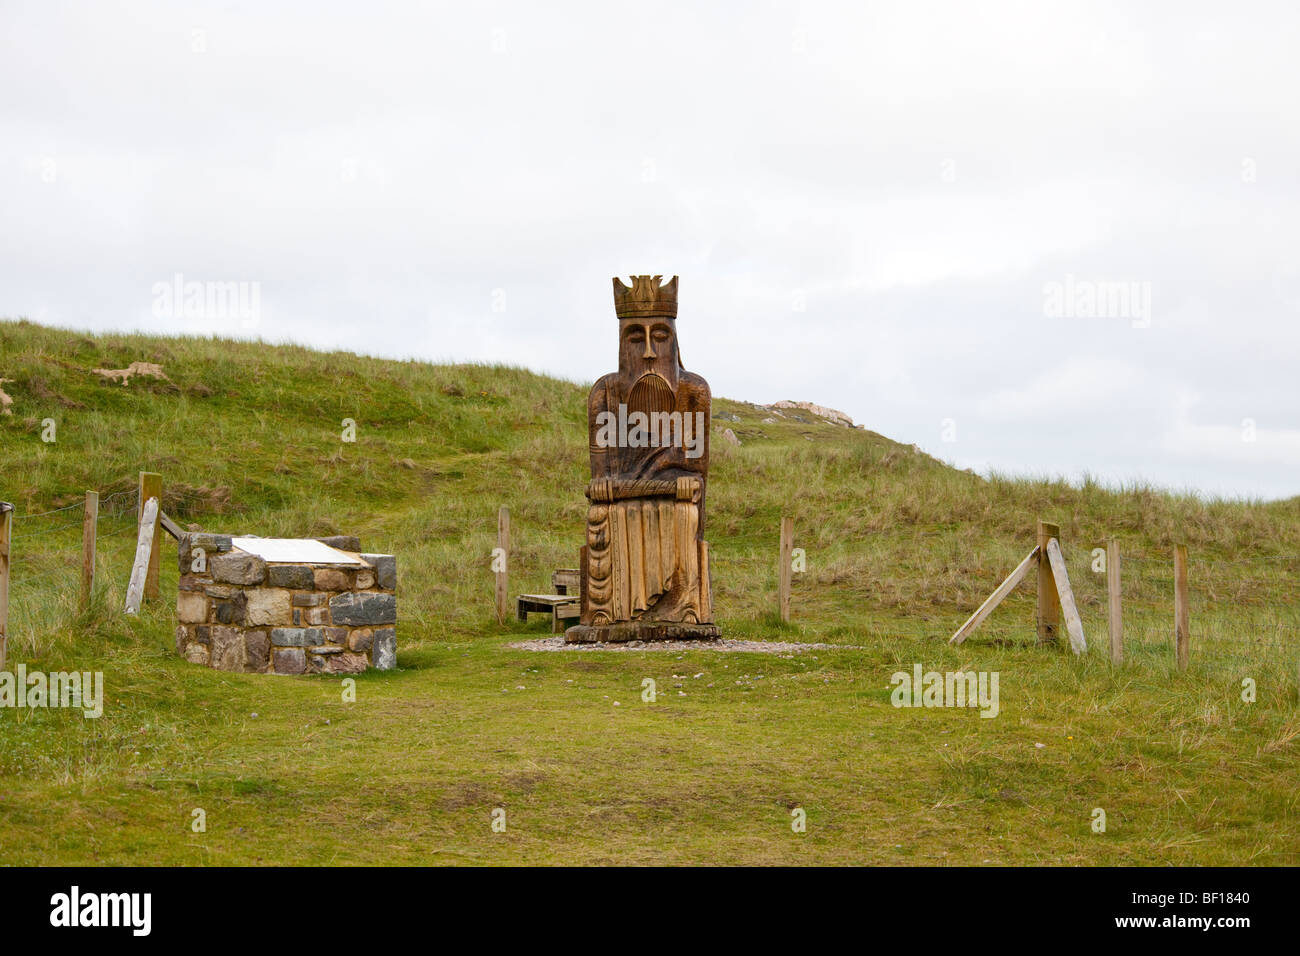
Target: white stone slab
(295, 551)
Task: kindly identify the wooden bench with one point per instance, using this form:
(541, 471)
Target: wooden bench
(561, 607)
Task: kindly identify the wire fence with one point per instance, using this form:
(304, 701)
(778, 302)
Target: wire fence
(45, 544)
(111, 508)
(47, 565)
(1244, 611)
(1241, 617)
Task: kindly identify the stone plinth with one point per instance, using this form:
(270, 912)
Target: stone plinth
(335, 612)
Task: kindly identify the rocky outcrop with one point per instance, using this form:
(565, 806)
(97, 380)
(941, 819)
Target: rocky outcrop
(830, 415)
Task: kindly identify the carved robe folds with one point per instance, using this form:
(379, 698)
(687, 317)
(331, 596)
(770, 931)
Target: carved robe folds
(643, 559)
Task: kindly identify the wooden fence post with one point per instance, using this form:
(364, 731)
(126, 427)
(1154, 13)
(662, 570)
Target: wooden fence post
(1182, 635)
(89, 523)
(503, 548)
(1116, 608)
(151, 487)
(783, 576)
(6, 524)
(1113, 593)
(1048, 615)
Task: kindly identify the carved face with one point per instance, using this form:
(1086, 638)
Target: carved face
(648, 344)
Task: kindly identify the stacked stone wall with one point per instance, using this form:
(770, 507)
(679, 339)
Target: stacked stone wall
(237, 612)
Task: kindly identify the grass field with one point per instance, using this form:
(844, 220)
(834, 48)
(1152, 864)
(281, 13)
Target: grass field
(900, 549)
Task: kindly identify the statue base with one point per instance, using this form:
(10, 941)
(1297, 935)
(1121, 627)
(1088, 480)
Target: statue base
(640, 631)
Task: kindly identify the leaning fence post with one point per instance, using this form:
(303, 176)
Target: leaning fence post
(89, 521)
(1182, 635)
(151, 487)
(1116, 607)
(1064, 593)
(146, 537)
(6, 525)
(783, 577)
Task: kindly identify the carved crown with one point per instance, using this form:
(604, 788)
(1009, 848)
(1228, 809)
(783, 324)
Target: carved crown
(646, 297)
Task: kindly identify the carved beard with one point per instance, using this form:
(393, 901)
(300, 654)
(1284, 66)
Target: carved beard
(651, 393)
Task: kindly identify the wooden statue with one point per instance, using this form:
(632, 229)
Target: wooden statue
(645, 567)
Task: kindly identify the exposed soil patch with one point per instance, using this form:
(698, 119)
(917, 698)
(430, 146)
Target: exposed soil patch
(180, 498)
(462, 795)
(42, 391)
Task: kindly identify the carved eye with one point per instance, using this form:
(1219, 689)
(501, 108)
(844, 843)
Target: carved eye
(636, 335)
(662, 335)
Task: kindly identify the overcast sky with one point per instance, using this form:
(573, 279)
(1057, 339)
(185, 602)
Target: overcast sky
(1034, 238)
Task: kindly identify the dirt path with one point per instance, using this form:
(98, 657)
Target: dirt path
(759, 647)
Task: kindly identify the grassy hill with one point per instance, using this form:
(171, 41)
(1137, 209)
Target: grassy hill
(900, 549)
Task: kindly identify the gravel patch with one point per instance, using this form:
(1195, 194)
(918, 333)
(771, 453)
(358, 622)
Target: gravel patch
(723, 644)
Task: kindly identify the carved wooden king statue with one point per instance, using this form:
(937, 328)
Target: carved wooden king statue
(645, 567)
